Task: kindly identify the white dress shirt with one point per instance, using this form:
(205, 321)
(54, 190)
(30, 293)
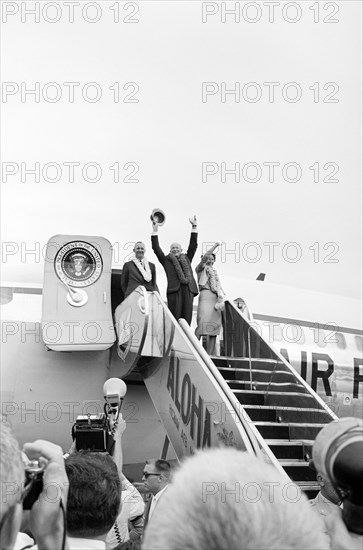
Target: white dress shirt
(155, 500)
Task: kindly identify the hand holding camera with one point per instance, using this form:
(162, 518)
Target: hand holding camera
(46, 472)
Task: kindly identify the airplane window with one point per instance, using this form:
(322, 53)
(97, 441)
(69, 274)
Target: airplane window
(6, 295)
(340, 340)
(359, 342)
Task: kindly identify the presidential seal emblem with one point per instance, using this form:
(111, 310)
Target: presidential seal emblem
(78, 264)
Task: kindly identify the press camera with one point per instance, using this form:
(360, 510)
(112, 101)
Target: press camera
(33, 485)
(94, 432)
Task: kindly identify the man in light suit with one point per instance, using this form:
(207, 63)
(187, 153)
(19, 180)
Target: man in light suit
(156, 478)
(138, 272)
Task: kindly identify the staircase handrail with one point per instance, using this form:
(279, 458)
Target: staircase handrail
(285, 362)
(248, 426)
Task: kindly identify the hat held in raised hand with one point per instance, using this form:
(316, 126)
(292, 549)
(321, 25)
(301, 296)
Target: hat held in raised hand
(158, 216)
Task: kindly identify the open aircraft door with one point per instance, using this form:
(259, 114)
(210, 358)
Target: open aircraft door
(76, 311)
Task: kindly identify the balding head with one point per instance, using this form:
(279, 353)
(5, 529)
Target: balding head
(176, 249)
(224, 498)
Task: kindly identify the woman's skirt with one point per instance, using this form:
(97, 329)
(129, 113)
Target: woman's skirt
(209, 320)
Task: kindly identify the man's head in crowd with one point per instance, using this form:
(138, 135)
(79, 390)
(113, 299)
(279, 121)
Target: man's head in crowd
(176, 249)
(94, 495)
(12, 480)
(326, 487)
(223, 498)
(156, 475)
(139, 250)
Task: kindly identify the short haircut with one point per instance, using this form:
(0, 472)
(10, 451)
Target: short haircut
(94, 494)
(162, 466)
(224, 498)
(11, 469)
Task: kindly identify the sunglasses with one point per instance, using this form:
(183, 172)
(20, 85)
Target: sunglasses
(147, 474)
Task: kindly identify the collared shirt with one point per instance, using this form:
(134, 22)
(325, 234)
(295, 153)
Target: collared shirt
(323, 506)
(155, 500)
(132, 507)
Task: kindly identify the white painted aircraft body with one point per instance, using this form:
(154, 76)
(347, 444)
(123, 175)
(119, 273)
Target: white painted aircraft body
(43, 391)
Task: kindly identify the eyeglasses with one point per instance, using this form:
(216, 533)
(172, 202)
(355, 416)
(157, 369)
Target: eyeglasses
(147, 474)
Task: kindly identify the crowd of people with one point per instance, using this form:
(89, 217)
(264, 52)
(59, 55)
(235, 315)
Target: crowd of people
(217, 499)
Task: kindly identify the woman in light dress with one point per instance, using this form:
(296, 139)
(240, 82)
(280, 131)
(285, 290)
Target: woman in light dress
(211, 301)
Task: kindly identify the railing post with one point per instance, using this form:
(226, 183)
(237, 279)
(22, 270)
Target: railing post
(249, 353)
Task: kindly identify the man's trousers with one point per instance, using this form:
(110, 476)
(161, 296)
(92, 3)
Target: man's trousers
(180, 303)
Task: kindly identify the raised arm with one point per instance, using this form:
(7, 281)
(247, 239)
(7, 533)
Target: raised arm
(193, 243)
(155, 244)
(46, 515)
(204, 259)
(117, 452)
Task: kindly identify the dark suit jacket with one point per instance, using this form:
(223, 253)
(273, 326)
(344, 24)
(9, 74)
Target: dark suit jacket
(131, 278)
(171, 274)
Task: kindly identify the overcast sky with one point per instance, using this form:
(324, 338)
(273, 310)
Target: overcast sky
(149, 114)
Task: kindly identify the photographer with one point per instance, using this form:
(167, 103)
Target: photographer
(93, 499)
(47, 513)
(132, 504)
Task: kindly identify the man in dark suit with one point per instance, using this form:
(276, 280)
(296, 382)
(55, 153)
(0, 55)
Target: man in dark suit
(181, 284)
(139, 271)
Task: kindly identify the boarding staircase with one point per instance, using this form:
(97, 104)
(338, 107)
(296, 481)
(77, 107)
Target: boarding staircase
(285, 410)
(272, 411)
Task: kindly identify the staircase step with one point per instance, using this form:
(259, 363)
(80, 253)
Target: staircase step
(298, 470)
(286, 414)
(285, 430)
(286, 449)
(268, 386)
(242, 363)
(230, 373)
(286, 399)
(310, 489)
